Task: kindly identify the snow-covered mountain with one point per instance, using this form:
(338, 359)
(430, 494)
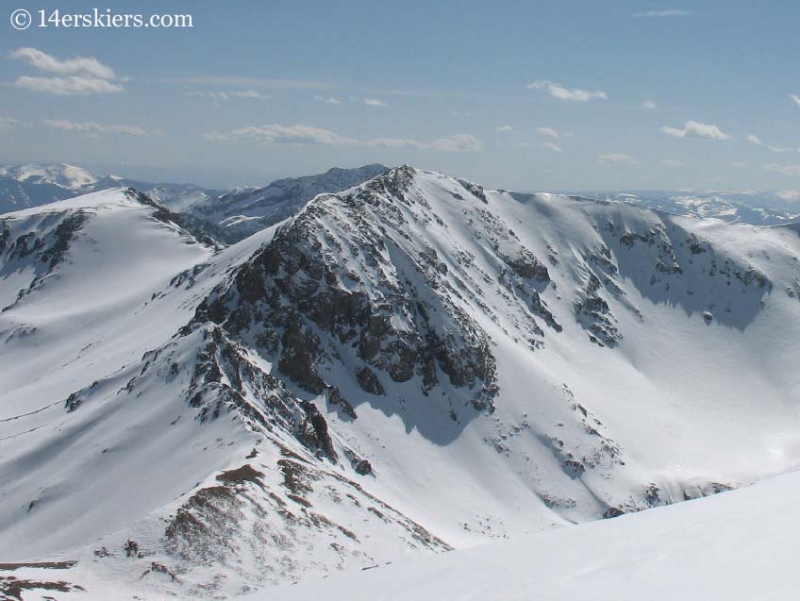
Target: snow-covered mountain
(244, 211)
(234, 214)
(61, 175)
(409, 366)
(26, 186)
(757, 208)
(230, 215)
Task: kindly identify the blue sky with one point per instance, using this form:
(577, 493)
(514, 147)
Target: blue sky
(568, 95)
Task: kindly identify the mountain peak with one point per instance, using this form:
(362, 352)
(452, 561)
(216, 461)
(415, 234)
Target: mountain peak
(57, 174)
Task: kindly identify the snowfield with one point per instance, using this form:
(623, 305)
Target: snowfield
(406, 367)
(738, 545)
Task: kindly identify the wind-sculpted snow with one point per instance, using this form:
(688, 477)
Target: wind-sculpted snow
(411, 365)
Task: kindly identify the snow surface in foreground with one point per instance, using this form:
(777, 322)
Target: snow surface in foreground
(737, 545)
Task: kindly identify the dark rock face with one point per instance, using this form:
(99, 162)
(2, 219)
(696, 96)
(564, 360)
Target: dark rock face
(221, 379)
(369, 382)
(301, 300)
(667, 264)
(527, 277)
(526, 265)
(336, 399)
(593, 313)
(50, 245)
(63, 235)
(44, 245)
(5, 234)
(314, 431)
(475, 190)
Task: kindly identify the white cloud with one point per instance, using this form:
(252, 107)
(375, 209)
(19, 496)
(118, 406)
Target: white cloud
(458, 143)
(505, 128)
(795, 97)
(93, 128)
(68, 86)
(548, 132)
(254, 82)
(79, 76)
(307, 134)
(251, 94)
(327, 100)
(374, 102)
(553, 147)
(649, 104)
(86, 66)
(556, 90)
(781, 169)
(693, 129)
(790, 195)
(10, 122)
(739, 165)
(616, 159)
(663, 13)
(753, 139)
(672, 163)
(228, 95)
(289, 134)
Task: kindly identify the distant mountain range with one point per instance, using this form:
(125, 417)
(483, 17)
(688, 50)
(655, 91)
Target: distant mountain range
(757, 208)
(25, 186)
(232, 215)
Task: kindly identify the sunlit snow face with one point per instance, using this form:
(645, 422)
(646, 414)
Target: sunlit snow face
(785, 453)
(776, 453)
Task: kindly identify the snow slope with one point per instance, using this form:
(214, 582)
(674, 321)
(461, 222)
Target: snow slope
(737, 545)
(75, 322)
(412, 365)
